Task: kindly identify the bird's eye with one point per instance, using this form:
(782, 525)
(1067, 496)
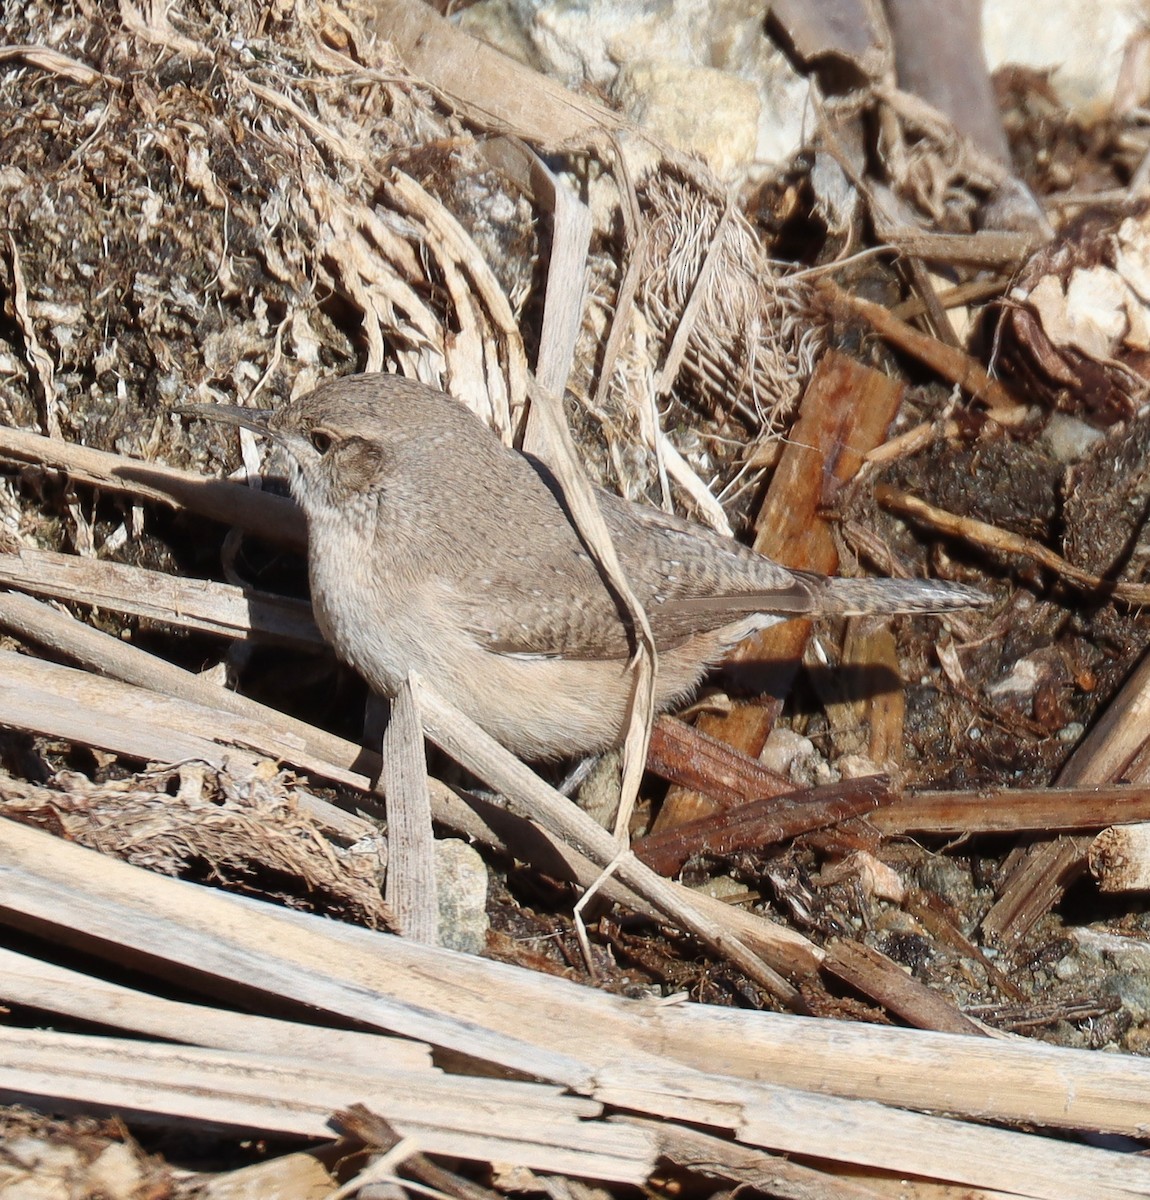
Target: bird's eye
(320, 441)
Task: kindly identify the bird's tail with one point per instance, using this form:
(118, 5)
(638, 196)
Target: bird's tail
(815, 595)
(862, 597)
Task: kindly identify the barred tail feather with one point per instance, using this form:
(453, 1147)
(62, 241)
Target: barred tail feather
(807, 594)
(861, 597)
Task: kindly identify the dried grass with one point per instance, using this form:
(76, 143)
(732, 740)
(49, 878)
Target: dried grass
(212, 199)
(240, 829)
(752, 342)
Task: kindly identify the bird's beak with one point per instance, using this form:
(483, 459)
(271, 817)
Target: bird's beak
(255, 419)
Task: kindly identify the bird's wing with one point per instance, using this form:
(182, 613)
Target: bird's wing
(555, 602)
(550, 601)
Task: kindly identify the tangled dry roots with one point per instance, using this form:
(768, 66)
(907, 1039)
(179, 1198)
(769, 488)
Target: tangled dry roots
(753, 342)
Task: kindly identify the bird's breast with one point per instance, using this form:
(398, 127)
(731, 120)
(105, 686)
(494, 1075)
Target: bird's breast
(380, 614)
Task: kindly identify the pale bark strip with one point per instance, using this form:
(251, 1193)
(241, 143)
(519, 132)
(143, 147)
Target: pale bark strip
(199, 604)
(522, 1019)
(55, 989)
(484, 1119)
(412, 891)
(272, 517)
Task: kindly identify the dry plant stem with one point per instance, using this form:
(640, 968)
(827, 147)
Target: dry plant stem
(678, 469)
(943, 329)
(79, 707)
(220, 938)
(507, 361)
(1019, 1017)
(846, 411)
(40, 358)
(55, 989)
(563, 460)
(875, 702)
(636, 245)
(378, 1178)
(773, 1175)
(499, 1120)
(759, 824)
(157, 30)
(677, 350)
(1039, 882)
(884, 708)
(1008, 810)
(477, 751)
(877, 976)
(952, 364)
(914, 440)
(986, 248)
(57, 63)
(43, 625)
(374, 1131)
(1138, 769)
(200, 604)
(491, 1119)
(765, 1114)
(942, 921)
(1116, 738)
(412, 889)
(489, 88)
(1103, 198)
(120, 912)
(956, 297)
(909, 1143)
(683, 754)
(272, 517)
(316, 129)
(563, 303)
(990, 537)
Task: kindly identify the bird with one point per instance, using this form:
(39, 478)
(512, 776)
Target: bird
(435, 548)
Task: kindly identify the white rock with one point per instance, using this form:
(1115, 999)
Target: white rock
(1069, 438)
(784, 749)
(698, 110)
(462, 877)
(1083, 40)
(588, 43)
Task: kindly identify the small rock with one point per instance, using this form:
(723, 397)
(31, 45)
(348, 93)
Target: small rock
(722, 887)
(1068, 439)
(698, 110)
(784, 749)
(948, 879)
(857, 766)
(1068, 968)
(1133, 991)
(462, 877)
(598, 794)
(583, 44)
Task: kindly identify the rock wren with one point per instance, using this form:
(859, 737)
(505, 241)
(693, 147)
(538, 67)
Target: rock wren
(434, 548)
